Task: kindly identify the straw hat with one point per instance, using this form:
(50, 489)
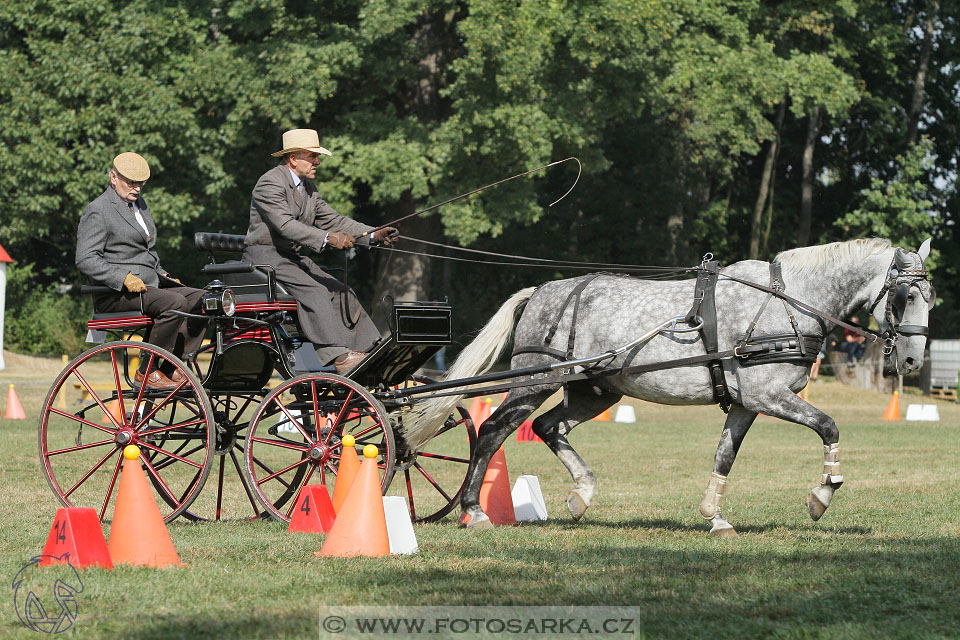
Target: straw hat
(132, 166)
(301, 140)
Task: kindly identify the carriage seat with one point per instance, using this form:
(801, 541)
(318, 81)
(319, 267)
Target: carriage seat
(250, 287)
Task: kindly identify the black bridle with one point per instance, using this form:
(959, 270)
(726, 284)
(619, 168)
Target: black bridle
(896, 290)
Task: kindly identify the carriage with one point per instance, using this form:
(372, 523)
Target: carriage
(256, 410)
(269, 438)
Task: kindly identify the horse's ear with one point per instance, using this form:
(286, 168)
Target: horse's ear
(901, 259)
(924, 250)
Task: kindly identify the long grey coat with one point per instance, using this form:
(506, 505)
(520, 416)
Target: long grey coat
(282, 221)
(111, 243)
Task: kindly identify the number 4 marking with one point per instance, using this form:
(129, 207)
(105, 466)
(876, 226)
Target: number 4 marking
(305, 507)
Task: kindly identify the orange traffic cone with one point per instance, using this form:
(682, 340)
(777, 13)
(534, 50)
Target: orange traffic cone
(138, 535)
(346, 471)
(893, 408)
(476, 411)
(603, 417)
(114, 409)
(361, 526)
(14, 408)
(495, 498)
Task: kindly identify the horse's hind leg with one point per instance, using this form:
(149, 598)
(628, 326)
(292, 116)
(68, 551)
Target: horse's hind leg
(584, 403)
(508, 416)
(788, 406)
(735, 428)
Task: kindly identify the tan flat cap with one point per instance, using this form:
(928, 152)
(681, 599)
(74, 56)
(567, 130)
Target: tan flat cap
(132, 166)
(301, 140)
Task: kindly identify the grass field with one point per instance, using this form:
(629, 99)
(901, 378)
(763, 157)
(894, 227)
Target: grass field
(882, 563)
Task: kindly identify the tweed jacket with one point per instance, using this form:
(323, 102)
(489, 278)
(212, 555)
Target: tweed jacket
(111, 243)
(281, 217)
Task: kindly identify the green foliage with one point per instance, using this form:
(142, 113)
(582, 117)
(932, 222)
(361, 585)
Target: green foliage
(898, 209)
(44, 322)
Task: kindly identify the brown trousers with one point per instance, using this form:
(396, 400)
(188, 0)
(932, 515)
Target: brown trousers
(178, 335)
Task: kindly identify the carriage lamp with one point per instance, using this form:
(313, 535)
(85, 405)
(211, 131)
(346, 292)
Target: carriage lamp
(218, 300)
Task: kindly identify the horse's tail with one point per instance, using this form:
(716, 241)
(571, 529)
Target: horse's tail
(425, 421)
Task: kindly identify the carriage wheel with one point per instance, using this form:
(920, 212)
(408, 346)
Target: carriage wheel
(81, 448)
(435, 476)
(286, 451)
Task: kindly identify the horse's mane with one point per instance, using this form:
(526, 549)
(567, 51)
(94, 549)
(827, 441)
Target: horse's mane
(835, 252)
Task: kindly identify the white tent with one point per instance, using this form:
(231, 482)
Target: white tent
(4, 259)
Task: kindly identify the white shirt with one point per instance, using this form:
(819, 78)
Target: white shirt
(136, 214)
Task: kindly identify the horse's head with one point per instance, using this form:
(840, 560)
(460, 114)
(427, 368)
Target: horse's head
(908, 298)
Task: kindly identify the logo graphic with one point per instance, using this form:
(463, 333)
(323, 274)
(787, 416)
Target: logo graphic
(46, 599)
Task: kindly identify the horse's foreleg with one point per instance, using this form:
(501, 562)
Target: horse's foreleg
(790, 407)
(735, 428)
(490, 438)
(584, 403)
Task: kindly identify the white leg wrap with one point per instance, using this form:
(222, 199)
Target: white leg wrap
(831, 464)
(711, 499)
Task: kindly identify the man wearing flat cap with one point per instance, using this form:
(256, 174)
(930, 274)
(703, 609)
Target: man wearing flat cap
(115, 248)
(287, 215)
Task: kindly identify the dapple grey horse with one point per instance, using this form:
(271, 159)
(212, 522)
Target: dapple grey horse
(836, 279)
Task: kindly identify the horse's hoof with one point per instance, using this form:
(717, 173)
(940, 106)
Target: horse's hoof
(721, 528)
(478, 523)
(819, 499)
(815, 507)
(576, 505)
(724, 532)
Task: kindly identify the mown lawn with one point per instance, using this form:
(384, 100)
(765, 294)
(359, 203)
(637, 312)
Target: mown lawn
(882, 563)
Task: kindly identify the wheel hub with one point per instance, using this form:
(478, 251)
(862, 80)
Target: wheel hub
(124, 437)
(319, 453)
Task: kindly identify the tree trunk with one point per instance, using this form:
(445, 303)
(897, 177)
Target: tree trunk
(920, 79)
(765, 181)
(401, 275)
(806, 187)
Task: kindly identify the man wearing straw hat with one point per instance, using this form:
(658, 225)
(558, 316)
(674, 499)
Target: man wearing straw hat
(288, 214)
(115, 248)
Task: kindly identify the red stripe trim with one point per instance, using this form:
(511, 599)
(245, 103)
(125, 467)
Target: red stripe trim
(113, 323)
(251, 334)
(248, 307)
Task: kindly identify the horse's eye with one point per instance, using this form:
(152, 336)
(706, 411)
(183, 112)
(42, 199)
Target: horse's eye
(911, 297)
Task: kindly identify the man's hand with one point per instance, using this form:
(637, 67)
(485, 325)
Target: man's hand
(170, 277)
(339, 240)
(134, 284)
(386, 236)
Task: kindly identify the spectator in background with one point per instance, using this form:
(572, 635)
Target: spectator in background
(853, 344)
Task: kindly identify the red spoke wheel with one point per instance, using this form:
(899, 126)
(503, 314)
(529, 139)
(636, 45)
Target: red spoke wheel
(294, 438)
(435, 475)
(94, 409)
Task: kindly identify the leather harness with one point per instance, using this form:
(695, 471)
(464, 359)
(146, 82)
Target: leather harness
(749, 350)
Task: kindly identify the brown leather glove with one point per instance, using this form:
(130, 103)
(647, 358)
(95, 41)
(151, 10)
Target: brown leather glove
(386, 236)
(339, 240)
(134, 284)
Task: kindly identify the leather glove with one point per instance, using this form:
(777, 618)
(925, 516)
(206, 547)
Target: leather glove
(339, 240)
(134, 284)
(386, 236)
